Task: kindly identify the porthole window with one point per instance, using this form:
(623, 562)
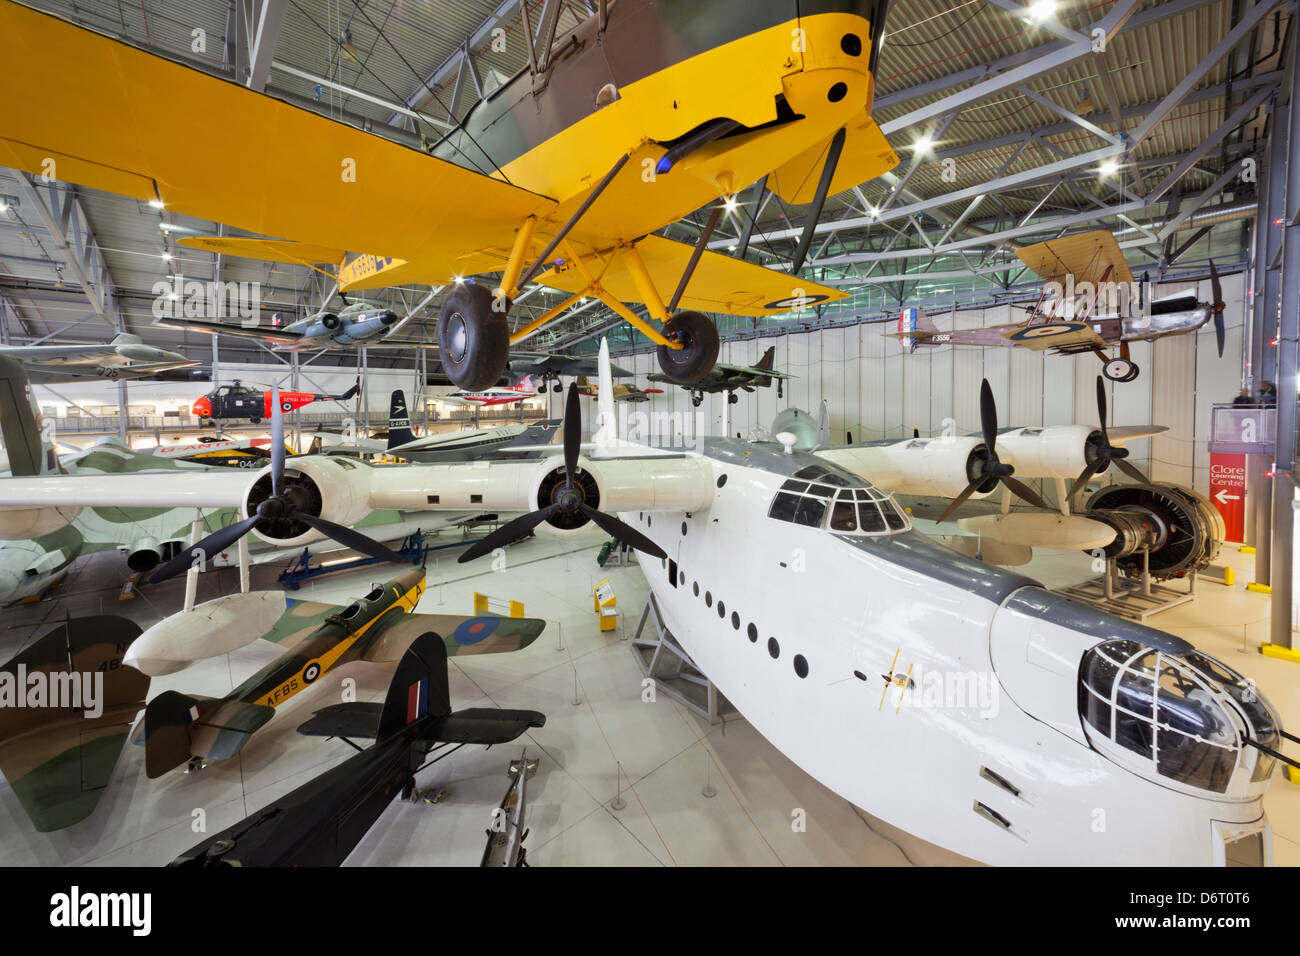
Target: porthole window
(708, 599)
(773, 648)
(683, 529)
(695, 587)
(722, 609)
(648, 520)
(800, 665)
(682, 579)
(735, 620)
(752, 631)
(722, 480)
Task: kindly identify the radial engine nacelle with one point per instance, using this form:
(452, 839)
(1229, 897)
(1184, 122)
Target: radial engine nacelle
(336, 489)
(1054, 451)
(941, 466)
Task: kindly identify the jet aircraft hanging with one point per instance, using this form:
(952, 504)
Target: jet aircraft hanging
(640, 115)
(126, 357)
(731, 378)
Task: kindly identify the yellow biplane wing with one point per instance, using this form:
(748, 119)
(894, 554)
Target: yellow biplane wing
(1085, 256)
(107, 115)
(268, 250)
(719, 284)
(132, 123)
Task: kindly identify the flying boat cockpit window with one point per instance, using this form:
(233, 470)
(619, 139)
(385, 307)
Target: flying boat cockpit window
(820, 498)
(1173, 710)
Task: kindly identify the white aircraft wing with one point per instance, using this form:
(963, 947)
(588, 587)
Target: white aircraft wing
(262, 333)
(163, 489)
(67, 354)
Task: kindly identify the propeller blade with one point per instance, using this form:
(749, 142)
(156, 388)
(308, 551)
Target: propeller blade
(1101, 411)
(959, 500)
(349, 537)
(1131, 471)
(623, 532)
(213, 544)
(989, 419)
(277, 441)
(1217, 290)
(572, 434)
(1084, 475)
(1025, 493)
(508, 533)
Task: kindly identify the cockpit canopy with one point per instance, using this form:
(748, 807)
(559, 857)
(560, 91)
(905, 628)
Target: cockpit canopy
(820, 498)
(1177, 719)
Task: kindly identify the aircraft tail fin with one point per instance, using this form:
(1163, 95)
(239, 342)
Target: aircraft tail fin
(539, 434)
(29, 447)
(399, 420)
(125, 338)
(768, 360)
(605, 428)
(349, 394)
(915, 328)
(418, 688)
(526, 384)
(179, 726)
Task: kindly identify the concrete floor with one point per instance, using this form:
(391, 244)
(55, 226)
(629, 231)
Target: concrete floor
(659, 754)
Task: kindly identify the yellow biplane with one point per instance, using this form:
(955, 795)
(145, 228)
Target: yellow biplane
(641, 114)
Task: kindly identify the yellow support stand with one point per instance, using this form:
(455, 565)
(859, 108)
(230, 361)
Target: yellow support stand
(502, 607)
(603, 601)
(1280, 652)
(1246, 549)
(1259, 588)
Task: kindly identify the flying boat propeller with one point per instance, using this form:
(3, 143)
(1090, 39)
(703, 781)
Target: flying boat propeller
(992, 468)
(567, 499)
(1101, 452)
(283, 504)
(1217, 290)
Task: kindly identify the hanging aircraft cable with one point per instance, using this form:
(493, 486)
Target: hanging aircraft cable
(286, 502)
(985, 469)
(567, 499)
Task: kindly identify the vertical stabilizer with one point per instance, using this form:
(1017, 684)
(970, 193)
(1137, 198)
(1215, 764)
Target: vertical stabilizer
(605, 428)
(27, 445)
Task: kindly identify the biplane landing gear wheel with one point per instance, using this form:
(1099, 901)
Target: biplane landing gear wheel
(1119, 370)
(732, 398)
(473, 338)
(557, 388)
(697, 399)
(699, 351)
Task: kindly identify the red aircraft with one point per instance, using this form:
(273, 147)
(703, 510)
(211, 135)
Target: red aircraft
(240, 401)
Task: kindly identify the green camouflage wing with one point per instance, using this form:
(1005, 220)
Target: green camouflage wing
(462, 635)
(299, 619)
(58, 760)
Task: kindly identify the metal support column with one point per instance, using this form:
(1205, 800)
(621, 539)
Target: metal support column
(123, 411)
(1288, 363)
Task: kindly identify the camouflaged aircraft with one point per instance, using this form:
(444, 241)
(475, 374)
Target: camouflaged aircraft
(58, 751)
(322, 821)
(643, 113)
(377, 628)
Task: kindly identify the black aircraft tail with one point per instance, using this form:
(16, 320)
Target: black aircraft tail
(399, 420)
(418, 693)
(350, 393)
(418, 688)
(768, 360)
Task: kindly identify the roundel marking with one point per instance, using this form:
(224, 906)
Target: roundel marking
(311, 672)
(796, 301)
(1051, 328)
(474, 630)
(286, 406)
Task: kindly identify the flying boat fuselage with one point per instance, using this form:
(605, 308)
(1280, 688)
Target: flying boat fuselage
(943, 695)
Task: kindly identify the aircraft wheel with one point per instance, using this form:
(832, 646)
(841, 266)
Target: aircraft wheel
(256, 421)
(732, 398)
(473, 338)
(699, 351)
(1119, 370)
(697, 400)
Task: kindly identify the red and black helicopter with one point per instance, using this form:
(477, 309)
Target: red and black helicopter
(241, 401)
